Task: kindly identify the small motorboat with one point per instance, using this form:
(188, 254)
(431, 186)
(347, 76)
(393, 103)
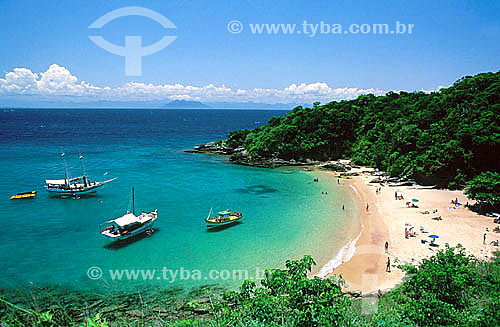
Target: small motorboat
(23, 196)
(223, 218)
(129, 224)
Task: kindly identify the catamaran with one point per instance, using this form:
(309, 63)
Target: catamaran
(224, 218)
(129, 224)
(73, 186)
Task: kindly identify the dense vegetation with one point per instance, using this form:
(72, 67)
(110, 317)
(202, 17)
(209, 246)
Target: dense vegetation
(445, 138)
(448, 289)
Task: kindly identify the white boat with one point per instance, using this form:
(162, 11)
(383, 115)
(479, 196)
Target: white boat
(223, 218)
(129, 224)
(73, 186)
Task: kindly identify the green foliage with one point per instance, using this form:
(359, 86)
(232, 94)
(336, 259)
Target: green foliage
(444, 138)
(236, 138)
(288, 295)
(97, 321)
(485, 187)
(449, 289)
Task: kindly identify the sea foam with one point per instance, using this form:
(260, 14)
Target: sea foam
(345, 254)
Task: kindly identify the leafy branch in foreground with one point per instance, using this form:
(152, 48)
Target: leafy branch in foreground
(289, 296)
(449, 289)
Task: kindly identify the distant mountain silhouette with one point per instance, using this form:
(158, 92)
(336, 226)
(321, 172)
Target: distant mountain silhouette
(184, 104)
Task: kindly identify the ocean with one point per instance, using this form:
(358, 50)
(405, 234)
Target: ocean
(56, 241)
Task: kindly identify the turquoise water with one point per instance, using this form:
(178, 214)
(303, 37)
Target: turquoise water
(51, 240)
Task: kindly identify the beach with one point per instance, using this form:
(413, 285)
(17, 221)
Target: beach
(385, 220)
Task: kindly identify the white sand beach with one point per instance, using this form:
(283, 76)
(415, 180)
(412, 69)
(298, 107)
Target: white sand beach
(386, 219)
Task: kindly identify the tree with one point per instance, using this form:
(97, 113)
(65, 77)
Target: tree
(485, 188)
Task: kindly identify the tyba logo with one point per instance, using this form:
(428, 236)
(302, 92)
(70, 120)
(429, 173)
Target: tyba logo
(133, 51)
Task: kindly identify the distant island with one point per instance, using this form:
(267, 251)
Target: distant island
(185, 104)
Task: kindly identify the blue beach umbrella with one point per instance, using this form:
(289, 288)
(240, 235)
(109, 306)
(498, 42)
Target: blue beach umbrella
(433, 238)
(414, 200)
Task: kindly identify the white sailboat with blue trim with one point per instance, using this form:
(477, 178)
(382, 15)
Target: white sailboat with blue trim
(74, 186)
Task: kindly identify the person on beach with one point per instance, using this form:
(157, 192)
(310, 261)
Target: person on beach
(338, 180)
(367, 206)
(484, 238)
(388, 267)
(343, 208)
(386, 247)
(395, 195)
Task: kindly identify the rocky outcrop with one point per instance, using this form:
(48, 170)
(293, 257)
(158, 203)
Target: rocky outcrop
(218, 147)
(339, 166)
(240, 156)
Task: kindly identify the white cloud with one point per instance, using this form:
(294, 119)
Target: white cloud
(58, 81)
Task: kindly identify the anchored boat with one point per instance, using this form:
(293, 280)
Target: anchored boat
(73, 186)
(129, 224)
(25, 195)
(223, 218)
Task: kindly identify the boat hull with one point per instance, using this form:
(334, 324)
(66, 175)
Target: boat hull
(135, 232)
(77, 190)
(24, 196)
(211, 224)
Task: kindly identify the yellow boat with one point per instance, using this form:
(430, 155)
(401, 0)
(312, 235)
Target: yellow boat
(224, 218)
(25, 195)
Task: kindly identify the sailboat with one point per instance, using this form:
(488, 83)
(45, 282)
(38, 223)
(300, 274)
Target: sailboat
(73, 186)
(129, 224)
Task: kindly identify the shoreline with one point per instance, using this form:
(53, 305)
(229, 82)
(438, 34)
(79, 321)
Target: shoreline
(385, 220)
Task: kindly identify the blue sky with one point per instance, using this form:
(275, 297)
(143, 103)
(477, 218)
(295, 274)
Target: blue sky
(450, 39)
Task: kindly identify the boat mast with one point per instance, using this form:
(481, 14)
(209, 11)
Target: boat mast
(83, 170)
(66, 175)
(83, 164)
(133, 201)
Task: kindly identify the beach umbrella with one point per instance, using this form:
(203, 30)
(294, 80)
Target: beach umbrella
(414, 200)
(433, 236)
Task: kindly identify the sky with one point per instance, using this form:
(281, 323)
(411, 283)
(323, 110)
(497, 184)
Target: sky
(47, 53)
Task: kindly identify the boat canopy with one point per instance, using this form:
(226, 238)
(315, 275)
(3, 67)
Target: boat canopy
(60, 181)
(55, 181)
(125, 220)
(224, 212)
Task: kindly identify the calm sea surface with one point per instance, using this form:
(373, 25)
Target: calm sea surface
(55, 241)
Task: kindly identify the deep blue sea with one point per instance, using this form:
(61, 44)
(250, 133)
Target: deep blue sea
(54, 241)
